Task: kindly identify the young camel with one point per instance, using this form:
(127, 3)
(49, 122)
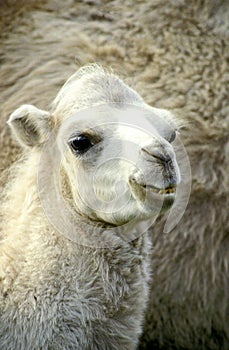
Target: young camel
(74, 253)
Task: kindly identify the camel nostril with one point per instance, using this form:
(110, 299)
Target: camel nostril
(162, 157)
(132, 179)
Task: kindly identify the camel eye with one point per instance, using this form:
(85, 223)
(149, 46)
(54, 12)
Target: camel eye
(80, 144)
(172, 136)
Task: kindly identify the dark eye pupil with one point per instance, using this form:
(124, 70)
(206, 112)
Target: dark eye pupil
(81, 144)
(172, 136)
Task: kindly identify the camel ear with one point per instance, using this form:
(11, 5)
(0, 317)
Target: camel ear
(30, 125)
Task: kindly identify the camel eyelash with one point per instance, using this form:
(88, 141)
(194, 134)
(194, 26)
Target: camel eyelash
(82, 142)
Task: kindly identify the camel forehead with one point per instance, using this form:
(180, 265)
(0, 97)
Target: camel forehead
(84, 91)
(126, 121)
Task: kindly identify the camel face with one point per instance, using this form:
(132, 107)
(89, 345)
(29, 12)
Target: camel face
(103, 150)
(118, 163)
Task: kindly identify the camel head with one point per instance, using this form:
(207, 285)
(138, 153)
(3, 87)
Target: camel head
(113, 153)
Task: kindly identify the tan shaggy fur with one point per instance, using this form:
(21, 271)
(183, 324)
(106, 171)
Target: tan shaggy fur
(175, 54)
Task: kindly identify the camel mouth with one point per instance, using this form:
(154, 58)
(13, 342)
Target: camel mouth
(163, 197)
(170, 190)
(147, 193)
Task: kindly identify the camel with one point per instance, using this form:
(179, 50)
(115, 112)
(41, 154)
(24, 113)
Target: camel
(96, 171)
(175, 55)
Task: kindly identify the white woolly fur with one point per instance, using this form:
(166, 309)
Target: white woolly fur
(54, 292)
